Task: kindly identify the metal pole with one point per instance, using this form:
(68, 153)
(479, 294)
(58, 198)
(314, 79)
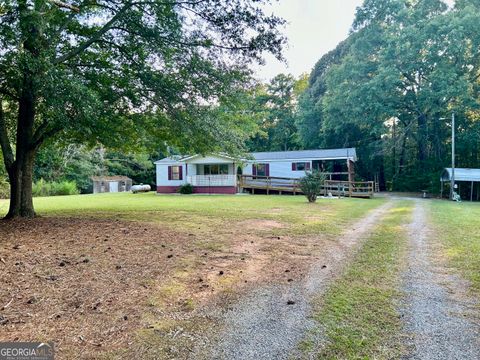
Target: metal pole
(452, 180)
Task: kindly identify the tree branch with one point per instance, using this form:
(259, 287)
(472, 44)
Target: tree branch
(95, 37)
(42, 133)
(8, 158)
(64, 5)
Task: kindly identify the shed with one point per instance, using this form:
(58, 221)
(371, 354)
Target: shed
(111, 184)
(471, 176)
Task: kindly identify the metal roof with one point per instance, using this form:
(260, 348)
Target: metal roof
(328, 154)
(171, 159)
(461, 174)
(110, 178)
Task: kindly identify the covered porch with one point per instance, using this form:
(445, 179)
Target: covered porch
(212, 174)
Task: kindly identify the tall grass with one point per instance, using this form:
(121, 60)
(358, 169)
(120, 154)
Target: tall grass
(44, 188)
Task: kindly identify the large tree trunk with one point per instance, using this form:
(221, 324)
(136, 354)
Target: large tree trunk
(21, 176)
(20, 167)
(422, 139)
(20, 172)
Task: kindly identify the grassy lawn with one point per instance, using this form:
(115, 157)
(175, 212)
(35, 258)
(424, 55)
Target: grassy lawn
(141, 265)
(457, 227)
(358, 314)
(204, 212)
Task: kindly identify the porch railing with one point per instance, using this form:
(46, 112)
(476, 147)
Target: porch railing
(212, 180)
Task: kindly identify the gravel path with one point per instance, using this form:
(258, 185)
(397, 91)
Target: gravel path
(263, 325)
(437, 312)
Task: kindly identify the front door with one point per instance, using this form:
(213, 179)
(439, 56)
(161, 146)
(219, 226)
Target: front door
(114, 186)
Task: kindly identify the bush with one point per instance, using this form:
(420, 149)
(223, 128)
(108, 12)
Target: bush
(186, 189)
(4, 189)
(43, 188)
(312, 185)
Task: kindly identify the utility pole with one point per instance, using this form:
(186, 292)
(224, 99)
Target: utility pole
(452, 179)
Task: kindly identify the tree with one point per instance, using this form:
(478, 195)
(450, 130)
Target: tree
(309, 117)
(114, 72)
(278, 103)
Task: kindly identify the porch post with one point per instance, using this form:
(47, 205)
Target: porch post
(471, 193)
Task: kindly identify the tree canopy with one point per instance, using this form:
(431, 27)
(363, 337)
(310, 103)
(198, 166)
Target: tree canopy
(123, 73)
(406, 65)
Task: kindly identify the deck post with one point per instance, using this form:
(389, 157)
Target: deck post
(351, 170)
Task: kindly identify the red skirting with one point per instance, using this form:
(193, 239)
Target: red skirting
(167, 189)
(199, 189)
(214, 190)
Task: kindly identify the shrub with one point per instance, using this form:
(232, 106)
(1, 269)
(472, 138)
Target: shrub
(4, 189)
(312, 185)
(186, 189)
(44, 188)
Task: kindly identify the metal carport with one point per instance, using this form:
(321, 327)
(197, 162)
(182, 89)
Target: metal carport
(461, 175)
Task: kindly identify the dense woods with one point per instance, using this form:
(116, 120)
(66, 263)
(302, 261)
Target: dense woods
(388, 88)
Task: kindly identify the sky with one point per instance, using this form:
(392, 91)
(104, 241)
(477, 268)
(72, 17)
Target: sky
(314, 28)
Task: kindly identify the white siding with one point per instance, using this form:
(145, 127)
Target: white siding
(162, 175)
(279, 168)
(162, 170)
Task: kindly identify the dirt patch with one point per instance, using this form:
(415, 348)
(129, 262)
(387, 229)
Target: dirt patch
(262, 224)
(81, 283)
(101, 287)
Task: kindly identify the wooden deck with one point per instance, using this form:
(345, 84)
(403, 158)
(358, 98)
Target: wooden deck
(364, 189)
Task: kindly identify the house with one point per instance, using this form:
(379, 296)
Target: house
(219, 173)
(112, 184)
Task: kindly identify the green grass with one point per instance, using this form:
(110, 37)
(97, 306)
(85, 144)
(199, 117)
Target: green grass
(358, 314)
(457, 227)
(207, 212)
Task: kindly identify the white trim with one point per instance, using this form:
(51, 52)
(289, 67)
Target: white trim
(208, 155)
(299, 159)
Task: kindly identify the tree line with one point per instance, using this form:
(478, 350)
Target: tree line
(389, 88)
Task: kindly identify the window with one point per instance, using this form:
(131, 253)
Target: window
(217, 169)
(301, 166)
(261, 169)
(175, 173)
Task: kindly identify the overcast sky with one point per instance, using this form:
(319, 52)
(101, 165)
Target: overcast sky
(314, 28)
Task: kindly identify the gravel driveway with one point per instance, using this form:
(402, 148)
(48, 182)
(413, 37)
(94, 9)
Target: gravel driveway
(437, 311)
(269, 322)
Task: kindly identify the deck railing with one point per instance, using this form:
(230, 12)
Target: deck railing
(333, 187)
(269, 183)
(349, 188)
(212, 180)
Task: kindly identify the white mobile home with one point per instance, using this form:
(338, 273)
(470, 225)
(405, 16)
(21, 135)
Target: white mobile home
(218, 174)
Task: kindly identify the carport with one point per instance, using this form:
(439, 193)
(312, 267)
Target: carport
(471, 176)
